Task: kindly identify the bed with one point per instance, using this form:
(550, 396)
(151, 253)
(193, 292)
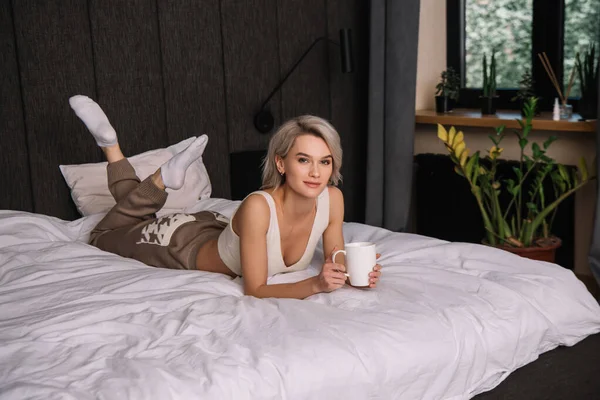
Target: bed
(448, 321)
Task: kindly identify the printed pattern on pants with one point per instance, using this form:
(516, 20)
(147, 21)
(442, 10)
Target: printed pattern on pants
(160, 231)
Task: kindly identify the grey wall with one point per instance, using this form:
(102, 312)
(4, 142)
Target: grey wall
(164, 70)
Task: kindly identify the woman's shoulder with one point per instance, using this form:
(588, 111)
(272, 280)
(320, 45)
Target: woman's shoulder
(336, 204)
(254, 211)
(335, 195)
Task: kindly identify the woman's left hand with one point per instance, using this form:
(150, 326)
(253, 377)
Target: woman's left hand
(374, 276)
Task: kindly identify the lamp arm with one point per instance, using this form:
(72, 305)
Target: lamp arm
(294, 67)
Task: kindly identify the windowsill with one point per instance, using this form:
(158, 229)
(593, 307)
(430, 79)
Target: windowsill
(473, 117)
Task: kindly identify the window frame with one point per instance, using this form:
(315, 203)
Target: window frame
(547, 35)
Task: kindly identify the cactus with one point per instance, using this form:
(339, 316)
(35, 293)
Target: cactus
(588, 75)
(489, 82)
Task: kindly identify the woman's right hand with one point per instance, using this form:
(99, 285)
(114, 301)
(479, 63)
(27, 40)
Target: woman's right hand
(332, 275)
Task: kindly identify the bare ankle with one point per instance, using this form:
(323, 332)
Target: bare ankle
(113, 153)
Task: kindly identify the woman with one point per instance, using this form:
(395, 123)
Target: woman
(274, 230)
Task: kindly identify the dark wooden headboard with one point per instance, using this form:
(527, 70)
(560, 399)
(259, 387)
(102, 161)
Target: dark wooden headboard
(164, 71)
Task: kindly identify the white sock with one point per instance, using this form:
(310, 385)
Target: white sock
(94, 118)
(173, 171)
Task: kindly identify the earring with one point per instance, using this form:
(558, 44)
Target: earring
(281, 172)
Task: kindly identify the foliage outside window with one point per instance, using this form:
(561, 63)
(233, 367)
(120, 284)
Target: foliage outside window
(501, 26)
(582, 28)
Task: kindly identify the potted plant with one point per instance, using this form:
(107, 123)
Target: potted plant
(525, 92)
(488, 98)
(524, 226)
(447, 91)
(588, 79)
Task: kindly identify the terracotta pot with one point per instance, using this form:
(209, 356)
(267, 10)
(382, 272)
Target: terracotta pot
(541, 253)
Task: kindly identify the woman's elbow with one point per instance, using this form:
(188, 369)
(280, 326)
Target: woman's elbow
(254, 292)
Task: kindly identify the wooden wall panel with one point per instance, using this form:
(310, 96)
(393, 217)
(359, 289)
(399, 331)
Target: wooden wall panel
(251, 68)
(192, 61)
(14, 163)
(55, 60)
(349, 101)
(127, 61)
(306, 91)
(167, 70)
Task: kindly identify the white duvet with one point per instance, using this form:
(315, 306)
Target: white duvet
(448, 321)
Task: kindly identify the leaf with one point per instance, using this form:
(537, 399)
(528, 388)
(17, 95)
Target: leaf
(458, 139)
(458, 171)
(518, 172)
(471, 165)
(549, 141)
(563, 172)
(523, 143)
(510, 186)
(575, 179)
(537, 152)
(451, 135)
(442, 134)
(458, 149)
(463, 157)
(583, 169)
(529, 163)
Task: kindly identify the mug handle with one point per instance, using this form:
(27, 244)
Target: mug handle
(335, 254)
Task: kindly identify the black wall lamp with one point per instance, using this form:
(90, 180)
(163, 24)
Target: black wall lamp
(263, 119)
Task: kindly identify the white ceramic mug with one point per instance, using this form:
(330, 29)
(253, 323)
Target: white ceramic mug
(361, 257)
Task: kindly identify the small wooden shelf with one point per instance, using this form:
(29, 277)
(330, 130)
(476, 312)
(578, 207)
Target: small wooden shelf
(468, 117)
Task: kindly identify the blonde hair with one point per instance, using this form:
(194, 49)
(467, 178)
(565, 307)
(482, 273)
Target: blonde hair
(283, 140)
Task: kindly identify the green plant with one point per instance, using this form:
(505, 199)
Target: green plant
(489, 82)
(588, 74)
(526, 85)
(449, 84)
(527, 219)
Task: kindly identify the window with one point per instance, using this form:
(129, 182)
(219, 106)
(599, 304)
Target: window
(516, 31)
(502, 27)
(582, 28)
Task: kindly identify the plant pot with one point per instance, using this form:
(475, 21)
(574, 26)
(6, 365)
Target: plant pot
(443, 104)
(588, 109)
(546, 252)
(488, 105)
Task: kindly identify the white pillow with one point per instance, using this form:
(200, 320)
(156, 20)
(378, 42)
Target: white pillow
(89, 184)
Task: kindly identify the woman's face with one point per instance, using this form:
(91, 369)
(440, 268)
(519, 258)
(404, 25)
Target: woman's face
(308, 165)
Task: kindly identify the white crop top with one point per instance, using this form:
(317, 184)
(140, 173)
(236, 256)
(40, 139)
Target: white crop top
(229, 242)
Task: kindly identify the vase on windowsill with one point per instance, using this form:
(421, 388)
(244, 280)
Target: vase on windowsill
(488, 105)
(447, 91)
(443, 104)
(588, 109)
(488, 98)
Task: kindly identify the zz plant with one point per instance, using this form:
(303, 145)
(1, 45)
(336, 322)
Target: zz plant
(527, 219)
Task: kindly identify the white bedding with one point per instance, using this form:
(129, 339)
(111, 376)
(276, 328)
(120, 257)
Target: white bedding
(448, 321)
